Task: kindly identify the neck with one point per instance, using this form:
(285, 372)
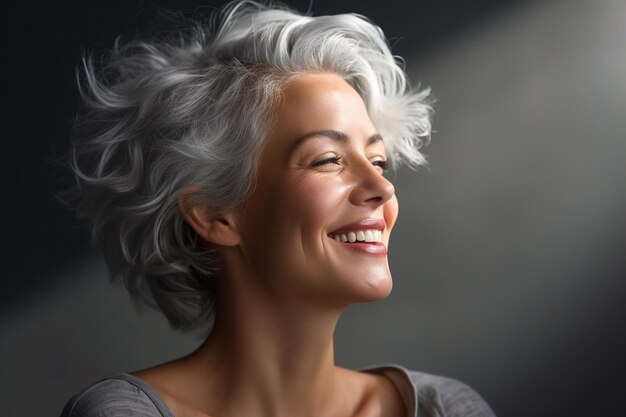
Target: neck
(269, 357)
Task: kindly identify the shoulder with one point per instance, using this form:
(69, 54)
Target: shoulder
(118, 396)
(439, 396)
(428, 395)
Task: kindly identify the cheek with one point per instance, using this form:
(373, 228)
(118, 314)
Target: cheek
(286, 225)
(286, 215)
(307, 208)
(314, 201)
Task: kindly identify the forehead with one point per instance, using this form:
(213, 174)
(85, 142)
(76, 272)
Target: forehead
(320, 101)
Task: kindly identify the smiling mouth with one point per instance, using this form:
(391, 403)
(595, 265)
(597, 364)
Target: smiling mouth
(358, 236)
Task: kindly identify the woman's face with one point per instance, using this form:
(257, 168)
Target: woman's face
(319, 182)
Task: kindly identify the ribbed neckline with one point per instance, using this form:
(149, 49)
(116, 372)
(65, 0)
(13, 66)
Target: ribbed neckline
(397, 374)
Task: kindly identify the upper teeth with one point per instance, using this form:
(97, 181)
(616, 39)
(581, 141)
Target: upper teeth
(359, 236)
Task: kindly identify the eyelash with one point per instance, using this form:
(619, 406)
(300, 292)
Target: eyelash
(382, 163)
(331, 160)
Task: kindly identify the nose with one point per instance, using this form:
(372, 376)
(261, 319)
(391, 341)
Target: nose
(371, 187)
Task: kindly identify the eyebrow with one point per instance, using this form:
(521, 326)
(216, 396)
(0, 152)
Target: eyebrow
(332, 134)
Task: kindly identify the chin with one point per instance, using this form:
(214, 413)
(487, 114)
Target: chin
(378, 287)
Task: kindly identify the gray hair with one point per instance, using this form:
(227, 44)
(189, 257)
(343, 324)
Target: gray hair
(193, 108)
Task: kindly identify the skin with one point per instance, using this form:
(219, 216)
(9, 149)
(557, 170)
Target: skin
(284, 281)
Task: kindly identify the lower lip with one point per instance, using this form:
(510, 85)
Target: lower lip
(376, 249)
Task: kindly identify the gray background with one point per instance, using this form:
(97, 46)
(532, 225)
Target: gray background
(508, 256)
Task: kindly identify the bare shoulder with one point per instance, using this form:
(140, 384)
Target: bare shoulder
(167, 380)
(180, 384)
(375, 395)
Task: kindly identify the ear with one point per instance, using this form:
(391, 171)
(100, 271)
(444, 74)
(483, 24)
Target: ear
(219, 229)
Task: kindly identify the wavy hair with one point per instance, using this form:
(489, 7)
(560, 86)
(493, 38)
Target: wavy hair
(192, 108)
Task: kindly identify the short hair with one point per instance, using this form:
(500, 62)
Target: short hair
(192, 108)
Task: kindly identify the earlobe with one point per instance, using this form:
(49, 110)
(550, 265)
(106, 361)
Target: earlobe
(218, 229)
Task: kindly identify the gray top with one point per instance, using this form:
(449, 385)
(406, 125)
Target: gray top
(425, 395)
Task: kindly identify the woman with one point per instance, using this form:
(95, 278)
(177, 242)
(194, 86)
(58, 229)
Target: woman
(236, 175)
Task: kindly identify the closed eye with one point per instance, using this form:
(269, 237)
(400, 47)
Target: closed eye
(326, 161)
